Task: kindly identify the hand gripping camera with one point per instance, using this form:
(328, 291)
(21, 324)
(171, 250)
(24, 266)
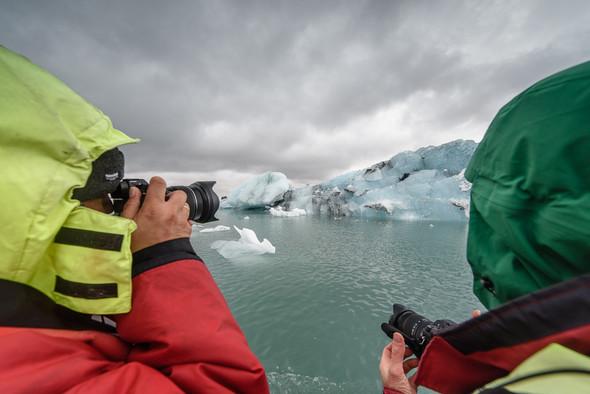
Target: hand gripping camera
(200, 197)
(416, 330)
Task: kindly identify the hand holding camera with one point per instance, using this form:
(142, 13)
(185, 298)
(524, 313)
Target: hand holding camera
(201, 199)
(416, 330)
(162, 217)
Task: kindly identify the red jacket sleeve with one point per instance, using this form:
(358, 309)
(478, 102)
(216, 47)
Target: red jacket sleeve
(181, 324)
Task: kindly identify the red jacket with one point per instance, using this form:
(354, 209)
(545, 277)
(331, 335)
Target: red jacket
(179, 337)
(464, 357)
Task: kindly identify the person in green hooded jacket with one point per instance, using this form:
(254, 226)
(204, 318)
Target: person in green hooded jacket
(529, 249)
(66, 262)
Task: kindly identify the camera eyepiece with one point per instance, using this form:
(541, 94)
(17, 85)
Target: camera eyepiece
(200, 197)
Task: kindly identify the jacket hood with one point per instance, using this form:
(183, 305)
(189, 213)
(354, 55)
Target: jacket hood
(530, 200)
(49, 137)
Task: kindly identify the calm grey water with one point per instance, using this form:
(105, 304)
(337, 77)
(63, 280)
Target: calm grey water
(312, 311)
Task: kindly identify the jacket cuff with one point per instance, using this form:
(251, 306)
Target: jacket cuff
(387, 390)
(162, 253)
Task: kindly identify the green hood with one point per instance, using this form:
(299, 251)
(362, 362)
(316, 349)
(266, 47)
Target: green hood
(49, 137)
(529, 224)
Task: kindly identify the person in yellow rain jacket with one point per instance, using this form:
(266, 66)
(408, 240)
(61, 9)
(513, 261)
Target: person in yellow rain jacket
(64, 258)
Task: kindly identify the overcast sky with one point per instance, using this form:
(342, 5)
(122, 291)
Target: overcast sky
(226, 90)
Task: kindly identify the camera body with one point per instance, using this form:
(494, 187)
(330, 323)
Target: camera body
(417, 330)
(200, 197)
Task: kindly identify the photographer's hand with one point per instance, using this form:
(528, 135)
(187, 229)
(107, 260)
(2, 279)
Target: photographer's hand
(158, 220)
(393, 369)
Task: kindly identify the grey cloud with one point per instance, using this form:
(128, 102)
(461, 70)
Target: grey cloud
(266, 85)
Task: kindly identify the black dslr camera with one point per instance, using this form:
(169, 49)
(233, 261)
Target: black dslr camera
(200, 197)
(416, 330)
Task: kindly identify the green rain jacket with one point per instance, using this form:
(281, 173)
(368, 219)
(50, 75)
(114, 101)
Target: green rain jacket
(530, 200)
(529, 249)
(49, 137)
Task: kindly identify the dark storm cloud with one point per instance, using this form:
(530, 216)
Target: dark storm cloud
(308, 88)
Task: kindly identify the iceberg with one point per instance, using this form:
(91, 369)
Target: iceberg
(426, 184)
(248, 244)
(262, 191)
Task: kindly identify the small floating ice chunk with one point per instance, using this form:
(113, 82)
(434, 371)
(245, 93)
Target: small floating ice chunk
(278, 211)
(248, 244)
(215, 229)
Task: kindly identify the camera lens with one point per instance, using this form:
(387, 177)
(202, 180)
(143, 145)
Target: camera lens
(409, 322)
(201, 199)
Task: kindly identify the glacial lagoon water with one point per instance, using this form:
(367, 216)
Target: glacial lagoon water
(312, 311)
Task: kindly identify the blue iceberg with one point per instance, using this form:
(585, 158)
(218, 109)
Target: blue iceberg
(426, 184)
